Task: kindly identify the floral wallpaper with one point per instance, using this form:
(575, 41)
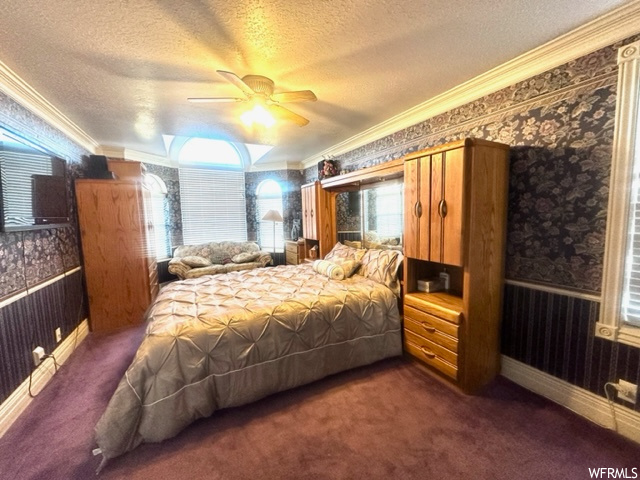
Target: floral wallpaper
(560, 127)
(347, 212)
(30, 257)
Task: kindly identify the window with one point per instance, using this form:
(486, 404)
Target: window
(212, 192)
(269, 197)
(620, 308)
(159, 215)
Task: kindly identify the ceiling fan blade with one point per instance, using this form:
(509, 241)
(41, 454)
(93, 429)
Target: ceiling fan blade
(237, 81)
(299, 96)
(287, 114)
(216, 100)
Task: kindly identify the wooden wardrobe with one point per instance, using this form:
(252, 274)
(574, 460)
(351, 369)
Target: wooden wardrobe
(118, 254)
(455, 222)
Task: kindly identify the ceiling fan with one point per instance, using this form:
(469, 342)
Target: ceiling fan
(259, 91)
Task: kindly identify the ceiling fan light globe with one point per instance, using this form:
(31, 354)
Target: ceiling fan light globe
(258, 114)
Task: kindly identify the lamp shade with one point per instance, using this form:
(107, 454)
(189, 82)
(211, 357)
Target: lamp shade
(272, 216)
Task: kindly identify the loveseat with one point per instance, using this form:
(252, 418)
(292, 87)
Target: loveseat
(191, 261)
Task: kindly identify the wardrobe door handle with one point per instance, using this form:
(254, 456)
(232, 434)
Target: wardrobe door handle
(418, 209)
(312, 212)
(427, 352)
(442, 208)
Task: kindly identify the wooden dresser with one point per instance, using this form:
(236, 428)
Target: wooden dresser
(294, 252)
(455, 222)
(119, 263)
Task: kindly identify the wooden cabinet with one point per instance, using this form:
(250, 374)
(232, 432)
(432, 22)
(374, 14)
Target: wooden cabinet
(434, 208)
(455, 221)
(119, 263)
(318, 219)
(294, 252)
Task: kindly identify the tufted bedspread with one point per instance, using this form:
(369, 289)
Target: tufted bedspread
(227, 340)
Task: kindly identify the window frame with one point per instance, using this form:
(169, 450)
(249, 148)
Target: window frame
(626, 150)
(158, 191)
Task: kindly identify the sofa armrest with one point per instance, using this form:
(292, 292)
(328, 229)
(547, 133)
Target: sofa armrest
(177, 267)
(264, 259)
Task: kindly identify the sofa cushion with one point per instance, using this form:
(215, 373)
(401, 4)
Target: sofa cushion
(245, 257)
(196, 261)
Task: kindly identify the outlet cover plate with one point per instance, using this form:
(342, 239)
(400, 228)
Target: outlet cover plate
(37, 353)
(58, 335)
(627, 391)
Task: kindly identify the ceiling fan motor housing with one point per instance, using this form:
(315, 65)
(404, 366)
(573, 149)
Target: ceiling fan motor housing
(259, 84)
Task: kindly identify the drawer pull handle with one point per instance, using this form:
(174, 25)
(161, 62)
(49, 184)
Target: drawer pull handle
(427, 352)
(428, 327)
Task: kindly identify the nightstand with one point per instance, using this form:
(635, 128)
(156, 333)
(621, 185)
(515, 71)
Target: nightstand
(294, 252)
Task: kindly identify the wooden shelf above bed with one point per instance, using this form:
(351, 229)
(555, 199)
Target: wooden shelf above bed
(354, 180)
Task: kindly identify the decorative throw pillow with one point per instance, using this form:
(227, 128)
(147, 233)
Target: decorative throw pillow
(344, 252)
(382, 267)
(349, 266)
(195, 261)
(329, 269)
(245, 257)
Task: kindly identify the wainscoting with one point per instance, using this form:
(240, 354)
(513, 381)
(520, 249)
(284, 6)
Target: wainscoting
(30, 320)
(553, 331)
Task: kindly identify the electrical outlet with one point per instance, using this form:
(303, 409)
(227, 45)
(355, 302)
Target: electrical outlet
(37, 353)
(627, 391)
(58, 335)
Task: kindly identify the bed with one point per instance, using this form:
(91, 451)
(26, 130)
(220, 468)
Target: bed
(227, 340)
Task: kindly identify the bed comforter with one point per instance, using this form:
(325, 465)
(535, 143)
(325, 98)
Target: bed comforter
(227, 340)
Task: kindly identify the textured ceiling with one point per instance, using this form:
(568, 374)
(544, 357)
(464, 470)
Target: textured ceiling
(122, 70)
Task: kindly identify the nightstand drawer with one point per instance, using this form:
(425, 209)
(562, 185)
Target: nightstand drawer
(431, 353)
(432, 328)
(291, 258)
(439, 304)
(431, 321)
(292, 247)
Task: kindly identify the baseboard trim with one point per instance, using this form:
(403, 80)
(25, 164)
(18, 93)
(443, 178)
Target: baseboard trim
(578, 400)
(19, 400)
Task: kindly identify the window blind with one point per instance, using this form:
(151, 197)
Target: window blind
(160, 227)
(22, 166)
(213, 205)
(389, 205)
(631, 290)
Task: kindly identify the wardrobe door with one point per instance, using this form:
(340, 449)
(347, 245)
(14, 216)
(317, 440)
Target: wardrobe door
(417, 178)
(447, 207)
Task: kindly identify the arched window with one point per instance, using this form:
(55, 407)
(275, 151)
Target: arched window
(159, 215)
(212, 192)
(269, 197)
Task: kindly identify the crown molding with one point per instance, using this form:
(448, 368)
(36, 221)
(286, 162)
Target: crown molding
(133, 155)
(20, 91)
(605, 30)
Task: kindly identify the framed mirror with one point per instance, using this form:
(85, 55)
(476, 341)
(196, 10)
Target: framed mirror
(371, 217)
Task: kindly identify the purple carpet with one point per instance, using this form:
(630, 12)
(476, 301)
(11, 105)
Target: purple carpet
(384, 421)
